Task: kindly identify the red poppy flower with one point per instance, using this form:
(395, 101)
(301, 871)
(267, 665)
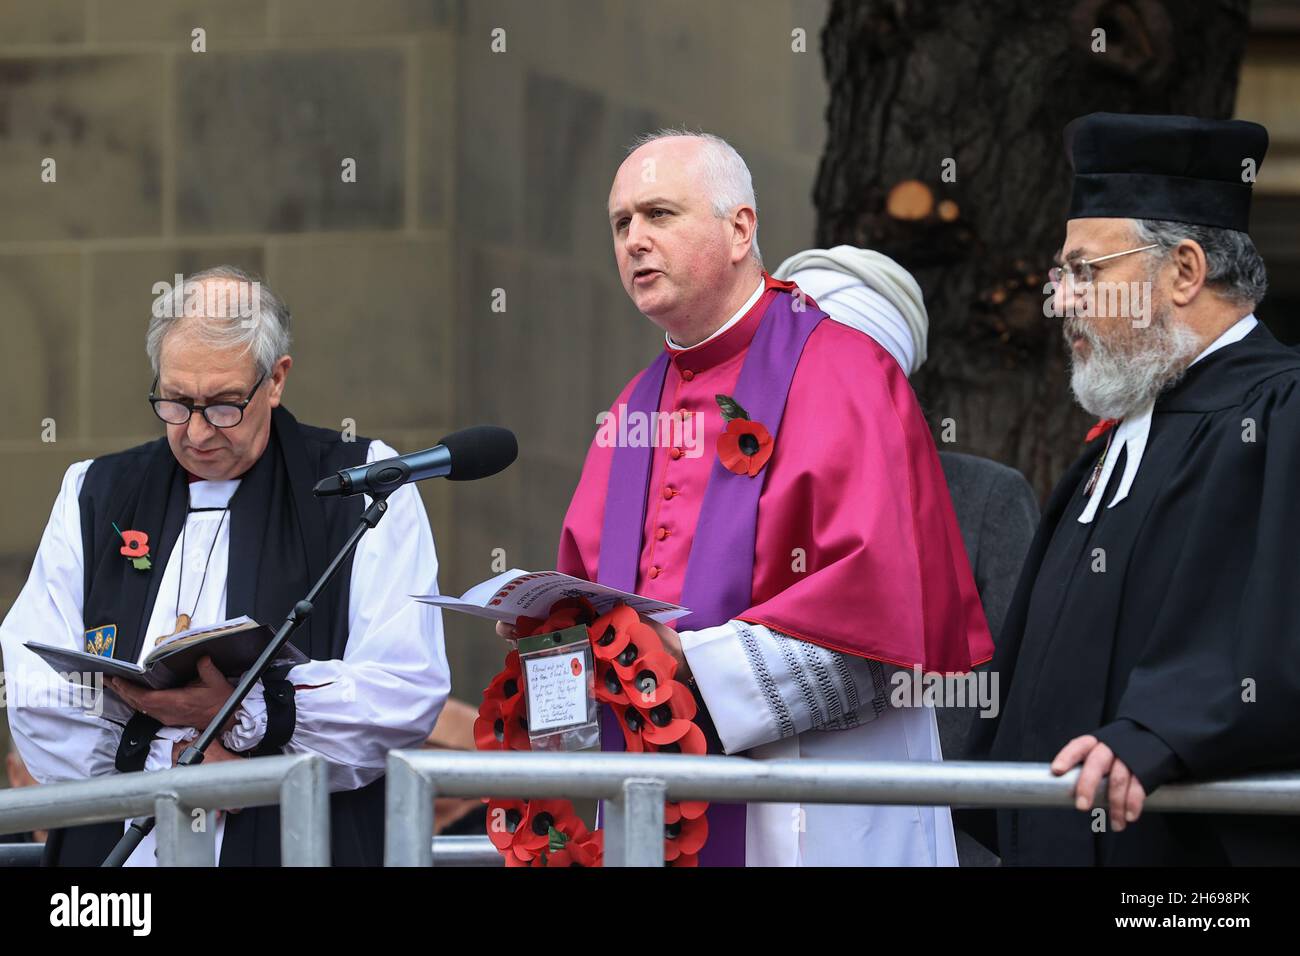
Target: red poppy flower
(574, 846)
(504, 817)
(744, 447)
(610, 632)
(135, 544)
(533, 835)
(501, 725)
(501, 722)
(588, 849)
(506, 684)
(685, 837)
(488, 733)
(652, 681)
(609, 689)
(562, 850)
(690, 809)
(641, 638)
(685, 859)
(670, 721)
(631, 723)
(692, 742)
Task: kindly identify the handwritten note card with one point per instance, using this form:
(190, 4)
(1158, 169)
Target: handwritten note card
(557, 691)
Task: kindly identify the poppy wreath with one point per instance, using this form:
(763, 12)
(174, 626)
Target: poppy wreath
(656, 713)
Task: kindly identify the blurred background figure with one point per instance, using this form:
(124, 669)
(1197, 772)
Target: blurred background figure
(996, 508)
(19, 776)
(456, 816)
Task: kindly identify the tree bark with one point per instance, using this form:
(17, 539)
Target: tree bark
(985, 90)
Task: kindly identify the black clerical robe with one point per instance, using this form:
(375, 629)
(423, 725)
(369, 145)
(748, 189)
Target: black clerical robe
(1169, 626)
(281, 539)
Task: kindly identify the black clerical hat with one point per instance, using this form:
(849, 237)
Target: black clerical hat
(1178, 168)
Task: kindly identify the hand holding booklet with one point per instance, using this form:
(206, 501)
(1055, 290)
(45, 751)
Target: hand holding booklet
(233, 645)
(531, 593)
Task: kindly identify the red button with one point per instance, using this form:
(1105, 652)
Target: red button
(687, 375)
(654, 572)
(669, 492)
(675, 453)
(661, 533)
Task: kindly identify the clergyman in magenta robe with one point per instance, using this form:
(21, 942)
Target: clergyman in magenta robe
(813, 582)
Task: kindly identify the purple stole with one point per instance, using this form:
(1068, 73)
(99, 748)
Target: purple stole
(720, 570)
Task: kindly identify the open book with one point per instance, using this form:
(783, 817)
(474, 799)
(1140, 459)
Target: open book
(515, 592)
(233, 645)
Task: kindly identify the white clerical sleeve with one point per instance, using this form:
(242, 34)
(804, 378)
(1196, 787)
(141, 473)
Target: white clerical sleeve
(387, 691)
(62, 732)
(761, 685)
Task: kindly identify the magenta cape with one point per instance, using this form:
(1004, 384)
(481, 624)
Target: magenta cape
(856, 547)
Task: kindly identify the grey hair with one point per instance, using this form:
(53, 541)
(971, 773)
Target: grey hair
(726, 176)
(1233, 264)
(248, 315)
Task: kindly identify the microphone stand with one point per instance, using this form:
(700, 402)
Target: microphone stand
(193, 754)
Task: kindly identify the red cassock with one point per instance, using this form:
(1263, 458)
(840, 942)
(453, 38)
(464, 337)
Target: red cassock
(857, 547)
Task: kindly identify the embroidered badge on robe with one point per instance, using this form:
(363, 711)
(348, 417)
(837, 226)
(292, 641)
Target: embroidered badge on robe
(100, 640)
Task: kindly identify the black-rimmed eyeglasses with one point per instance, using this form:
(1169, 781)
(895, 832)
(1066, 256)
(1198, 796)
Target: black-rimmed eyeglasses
(220, 415)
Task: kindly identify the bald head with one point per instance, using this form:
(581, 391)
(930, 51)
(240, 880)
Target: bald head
(684, 224)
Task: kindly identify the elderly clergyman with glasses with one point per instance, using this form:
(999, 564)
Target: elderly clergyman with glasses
(232, 528)
(1155, 633)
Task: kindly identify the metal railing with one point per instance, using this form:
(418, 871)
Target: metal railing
(634, 788)
(475, 851)
(297, 783)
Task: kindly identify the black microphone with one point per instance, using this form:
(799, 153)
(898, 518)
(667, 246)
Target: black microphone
(465, 455)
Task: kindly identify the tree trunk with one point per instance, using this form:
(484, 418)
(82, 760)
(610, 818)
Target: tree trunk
(984, 91)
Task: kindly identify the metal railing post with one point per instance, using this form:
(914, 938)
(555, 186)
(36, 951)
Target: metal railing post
(187, 836)
(634, 824)
(408, 817)
(305, 815)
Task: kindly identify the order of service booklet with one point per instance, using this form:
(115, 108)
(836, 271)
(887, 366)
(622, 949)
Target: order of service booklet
(515, 592)
(233, 645)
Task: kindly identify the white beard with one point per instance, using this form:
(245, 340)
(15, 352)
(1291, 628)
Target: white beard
(1113, 383)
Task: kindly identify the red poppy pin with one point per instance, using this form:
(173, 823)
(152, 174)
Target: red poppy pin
(135, 545)
(1102, 426)
(744, 446)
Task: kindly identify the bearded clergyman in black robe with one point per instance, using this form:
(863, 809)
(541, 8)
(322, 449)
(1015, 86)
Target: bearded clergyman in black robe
(1155, 632)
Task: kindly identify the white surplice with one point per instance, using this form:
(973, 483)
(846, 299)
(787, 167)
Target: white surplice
(772, 696)
(386, 692)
